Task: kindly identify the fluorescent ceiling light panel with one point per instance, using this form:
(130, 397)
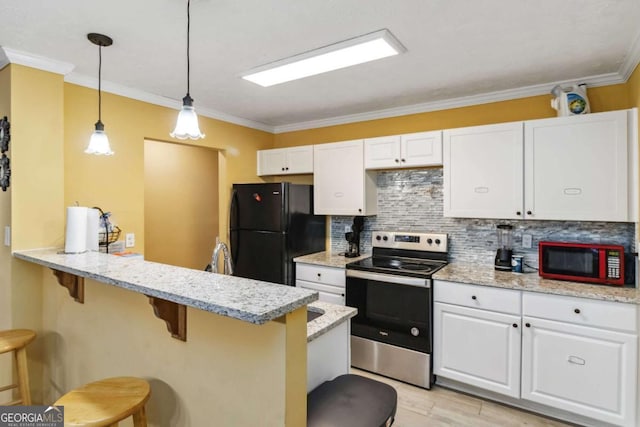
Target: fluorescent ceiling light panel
(369, 47)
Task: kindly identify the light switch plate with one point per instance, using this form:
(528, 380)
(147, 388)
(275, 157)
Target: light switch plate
(526, 240)
(7, 235)
(129, 240)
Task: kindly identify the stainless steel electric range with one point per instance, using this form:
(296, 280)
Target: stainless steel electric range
(392, 334)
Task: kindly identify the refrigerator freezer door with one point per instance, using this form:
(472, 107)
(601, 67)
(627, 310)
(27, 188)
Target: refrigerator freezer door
(259, 207)
(262, 255)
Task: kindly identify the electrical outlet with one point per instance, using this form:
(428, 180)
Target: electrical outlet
(526, 240)
(129, 240)
(347, 228)
(7, 235)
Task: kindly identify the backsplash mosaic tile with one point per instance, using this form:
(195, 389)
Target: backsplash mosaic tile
(412, 200)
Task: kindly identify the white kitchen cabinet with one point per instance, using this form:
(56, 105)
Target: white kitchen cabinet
(401, 151)
(329, 282)
(478, 346)
(483, 171)
(578, 168)
(341, 184)
(286, 161)
(573, 360)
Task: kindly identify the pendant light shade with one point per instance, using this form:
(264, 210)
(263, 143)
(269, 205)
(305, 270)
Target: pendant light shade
(99, 143)
(187, 124)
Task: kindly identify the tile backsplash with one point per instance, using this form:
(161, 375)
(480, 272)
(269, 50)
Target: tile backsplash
(412, 200)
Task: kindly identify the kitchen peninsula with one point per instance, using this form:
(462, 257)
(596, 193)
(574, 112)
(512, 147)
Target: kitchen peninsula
(246, 340)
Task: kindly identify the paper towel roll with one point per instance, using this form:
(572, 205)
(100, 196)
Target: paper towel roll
(76, 234)
(93, 223)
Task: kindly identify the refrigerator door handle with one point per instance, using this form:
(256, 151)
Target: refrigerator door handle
(233, 224)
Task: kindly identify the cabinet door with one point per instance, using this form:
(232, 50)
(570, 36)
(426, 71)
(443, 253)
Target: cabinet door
(483, 171)
(477, 347)
(585, 370)
(272, 162)
(576, 168)
(341, 186)
(300, 159)
(381, 153)
(421, 149)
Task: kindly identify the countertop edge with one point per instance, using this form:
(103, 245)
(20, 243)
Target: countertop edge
(257, 317)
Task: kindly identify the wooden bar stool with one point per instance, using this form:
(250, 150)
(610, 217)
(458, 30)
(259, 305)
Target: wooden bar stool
(16, 340)
(105, 402)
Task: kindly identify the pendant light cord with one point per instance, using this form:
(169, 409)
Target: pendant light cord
(100, 84)
(188, 32)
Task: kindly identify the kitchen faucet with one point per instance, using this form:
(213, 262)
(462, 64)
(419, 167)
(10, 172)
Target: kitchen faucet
(228, 263)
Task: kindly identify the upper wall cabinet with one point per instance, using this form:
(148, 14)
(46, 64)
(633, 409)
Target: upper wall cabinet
(286, 161)
(341, 185)
(483, 175)
(577, 168)
(402, 151)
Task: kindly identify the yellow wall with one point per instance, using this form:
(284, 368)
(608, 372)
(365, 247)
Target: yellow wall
(5, 252)
(116, 183)
(601, 99)
(180, 204)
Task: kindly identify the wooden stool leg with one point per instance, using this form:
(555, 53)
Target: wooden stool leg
(23, 376)
(140, 418)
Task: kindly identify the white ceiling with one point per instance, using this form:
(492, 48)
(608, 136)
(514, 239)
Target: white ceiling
(458, 51)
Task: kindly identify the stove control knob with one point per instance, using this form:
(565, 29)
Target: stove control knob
(429, 241)
(378, 238)
(385, 238)
(437, 241)
(415, 332)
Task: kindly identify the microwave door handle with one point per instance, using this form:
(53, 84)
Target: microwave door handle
(387, 278)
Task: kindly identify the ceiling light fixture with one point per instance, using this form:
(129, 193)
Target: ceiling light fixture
(366, 48)
(99, 143)
(187, 124)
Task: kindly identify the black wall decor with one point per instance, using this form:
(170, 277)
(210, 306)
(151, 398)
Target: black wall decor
(5, 172)
(5, 134)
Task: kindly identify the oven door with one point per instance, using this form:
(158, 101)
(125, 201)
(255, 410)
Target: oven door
(392, 309)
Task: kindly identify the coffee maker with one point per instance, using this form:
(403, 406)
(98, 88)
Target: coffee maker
(353, 237)
(505, 247)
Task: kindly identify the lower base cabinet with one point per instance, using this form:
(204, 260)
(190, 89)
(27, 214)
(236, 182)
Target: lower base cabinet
(575, 354)
(589, 371)
(329, 282)
(478, 347)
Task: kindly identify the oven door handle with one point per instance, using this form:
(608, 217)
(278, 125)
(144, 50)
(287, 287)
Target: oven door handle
(387, 278)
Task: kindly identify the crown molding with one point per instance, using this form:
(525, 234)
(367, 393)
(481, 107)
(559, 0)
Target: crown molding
(163, 101)
(465, 101)
(631, 60)
(13, 56)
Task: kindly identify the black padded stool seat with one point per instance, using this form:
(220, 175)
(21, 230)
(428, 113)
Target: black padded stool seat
(351, 401)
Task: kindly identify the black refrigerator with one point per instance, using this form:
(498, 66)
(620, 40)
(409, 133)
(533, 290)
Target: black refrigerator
(270, 224)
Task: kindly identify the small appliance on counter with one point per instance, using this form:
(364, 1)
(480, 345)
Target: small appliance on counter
(505, 247)
(582, 262)
(353, 237)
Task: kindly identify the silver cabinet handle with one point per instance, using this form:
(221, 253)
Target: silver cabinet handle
(576, 360)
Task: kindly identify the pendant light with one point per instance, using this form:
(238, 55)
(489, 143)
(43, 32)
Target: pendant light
(187, 124)
(99, 143)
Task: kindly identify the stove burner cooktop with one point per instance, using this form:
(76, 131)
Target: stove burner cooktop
(398, 266)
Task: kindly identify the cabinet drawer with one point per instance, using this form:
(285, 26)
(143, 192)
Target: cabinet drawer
(581, 311)
(474, 296)
(321, 274)
(335, 290)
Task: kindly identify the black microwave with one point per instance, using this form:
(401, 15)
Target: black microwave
(580, 262)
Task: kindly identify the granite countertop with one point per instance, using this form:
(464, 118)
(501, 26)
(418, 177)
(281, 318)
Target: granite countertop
(243, 299)
(487, 276)
(332, 316)
(328, 259)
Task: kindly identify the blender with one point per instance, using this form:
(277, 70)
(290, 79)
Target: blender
(505, 247)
